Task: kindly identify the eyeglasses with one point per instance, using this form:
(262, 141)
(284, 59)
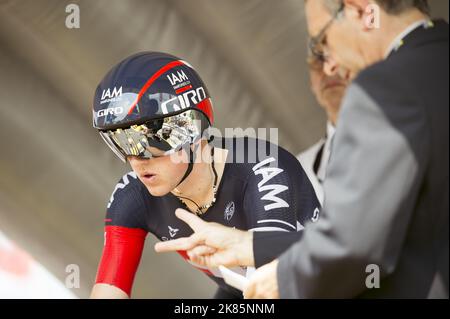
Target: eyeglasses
(314, 63)
(317, 44)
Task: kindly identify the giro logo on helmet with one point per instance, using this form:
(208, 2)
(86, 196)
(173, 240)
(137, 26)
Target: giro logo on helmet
(108, 96)
(185, 100)
(113, 111)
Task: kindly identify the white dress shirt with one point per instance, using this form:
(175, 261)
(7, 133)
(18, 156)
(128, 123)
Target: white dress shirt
(315, 161)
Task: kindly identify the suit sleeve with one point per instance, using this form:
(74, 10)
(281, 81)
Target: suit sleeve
(375, 163)
(279, 200)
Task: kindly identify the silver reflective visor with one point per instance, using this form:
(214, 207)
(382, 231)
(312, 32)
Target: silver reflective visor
(169, 135)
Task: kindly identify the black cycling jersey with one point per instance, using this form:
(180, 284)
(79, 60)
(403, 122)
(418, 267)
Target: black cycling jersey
(270, 194)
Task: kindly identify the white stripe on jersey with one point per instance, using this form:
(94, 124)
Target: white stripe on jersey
(277, 221)
(268, 229)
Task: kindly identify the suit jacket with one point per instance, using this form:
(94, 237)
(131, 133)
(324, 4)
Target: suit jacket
(386, 189)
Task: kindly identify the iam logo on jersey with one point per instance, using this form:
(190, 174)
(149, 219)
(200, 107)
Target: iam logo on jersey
(229, 211)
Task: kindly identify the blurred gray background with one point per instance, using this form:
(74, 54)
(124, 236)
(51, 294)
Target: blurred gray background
(56, 174)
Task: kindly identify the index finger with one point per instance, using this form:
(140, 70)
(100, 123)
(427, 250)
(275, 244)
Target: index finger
(174, 245)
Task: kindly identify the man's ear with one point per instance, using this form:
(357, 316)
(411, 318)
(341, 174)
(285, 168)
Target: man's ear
(364, 13)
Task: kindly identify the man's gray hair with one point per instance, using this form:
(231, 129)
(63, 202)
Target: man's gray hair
(393, 7)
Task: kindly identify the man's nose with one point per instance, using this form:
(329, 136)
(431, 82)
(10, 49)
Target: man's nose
(330, 67)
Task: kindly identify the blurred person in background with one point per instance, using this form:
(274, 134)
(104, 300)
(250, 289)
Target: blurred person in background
(329, 92)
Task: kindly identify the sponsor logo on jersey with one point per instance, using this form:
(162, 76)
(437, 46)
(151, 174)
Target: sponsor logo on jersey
(229, 211)
(268, 173)
(316, 214)
(173, 231)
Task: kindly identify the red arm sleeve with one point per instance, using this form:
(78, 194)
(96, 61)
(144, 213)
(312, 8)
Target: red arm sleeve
(121, 255)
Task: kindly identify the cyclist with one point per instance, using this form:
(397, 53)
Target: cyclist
(154, 112)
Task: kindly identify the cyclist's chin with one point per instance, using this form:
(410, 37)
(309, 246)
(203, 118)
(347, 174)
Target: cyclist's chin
(158, 190)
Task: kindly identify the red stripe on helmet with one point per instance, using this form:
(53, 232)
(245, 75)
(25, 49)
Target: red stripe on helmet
(206, 107)
(150, 81)
(183, 89)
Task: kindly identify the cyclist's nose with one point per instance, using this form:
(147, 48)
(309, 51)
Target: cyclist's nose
(136, 160)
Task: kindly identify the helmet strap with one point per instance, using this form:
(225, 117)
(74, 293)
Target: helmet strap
(190, 166)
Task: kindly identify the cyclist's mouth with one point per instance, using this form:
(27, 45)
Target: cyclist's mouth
(148, 178)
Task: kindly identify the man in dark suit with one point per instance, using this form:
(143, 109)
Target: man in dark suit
(383, 230)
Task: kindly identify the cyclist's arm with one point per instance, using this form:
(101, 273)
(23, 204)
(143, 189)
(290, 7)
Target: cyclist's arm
(120, 260)
(105, 291)
(268, 246)
(125, 232)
